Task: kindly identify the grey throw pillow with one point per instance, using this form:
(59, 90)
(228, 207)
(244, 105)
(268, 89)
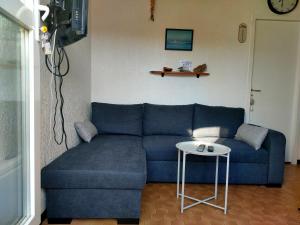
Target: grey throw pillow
(252, 135)
(86, 130)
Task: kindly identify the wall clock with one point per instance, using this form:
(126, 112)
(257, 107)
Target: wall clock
(282, 6)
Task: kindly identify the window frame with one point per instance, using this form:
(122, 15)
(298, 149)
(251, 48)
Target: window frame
(26, 14)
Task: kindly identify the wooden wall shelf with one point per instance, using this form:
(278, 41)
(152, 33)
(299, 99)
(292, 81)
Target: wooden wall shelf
(179, 74)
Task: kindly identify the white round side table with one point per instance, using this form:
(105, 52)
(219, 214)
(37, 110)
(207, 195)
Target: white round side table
(190, 147)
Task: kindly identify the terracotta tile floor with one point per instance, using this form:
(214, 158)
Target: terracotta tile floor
(248, 205)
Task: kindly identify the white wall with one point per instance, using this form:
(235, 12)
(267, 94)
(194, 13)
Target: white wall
(126, 45)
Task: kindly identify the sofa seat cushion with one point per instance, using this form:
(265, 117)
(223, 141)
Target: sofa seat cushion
(241, 152)
(109, 161)
(217, 121)
(168, 119)
(162, 148)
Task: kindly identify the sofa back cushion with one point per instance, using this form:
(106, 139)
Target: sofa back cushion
(117, 119)
(168, 119)
(217, 121)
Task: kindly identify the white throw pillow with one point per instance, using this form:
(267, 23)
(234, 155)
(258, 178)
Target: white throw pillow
(86, 130)
(252, 135)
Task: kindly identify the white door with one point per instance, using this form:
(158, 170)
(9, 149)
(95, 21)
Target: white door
(273, 79)
(19, 158)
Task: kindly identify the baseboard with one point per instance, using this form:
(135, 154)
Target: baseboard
(274, 185)
(68, 221)
(59, 221)
(43, 216)
(54, 221)
(288, 163)
(128, 221)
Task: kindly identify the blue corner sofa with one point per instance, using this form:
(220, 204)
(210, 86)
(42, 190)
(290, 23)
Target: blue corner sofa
(136, 145)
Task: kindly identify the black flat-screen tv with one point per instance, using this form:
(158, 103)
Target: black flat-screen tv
(70, 18)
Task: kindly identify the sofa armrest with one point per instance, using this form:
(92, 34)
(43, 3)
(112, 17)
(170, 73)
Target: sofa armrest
(275, 143)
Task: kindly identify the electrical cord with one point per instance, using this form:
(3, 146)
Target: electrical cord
(54, 65)
(51, 95)
(57, 65)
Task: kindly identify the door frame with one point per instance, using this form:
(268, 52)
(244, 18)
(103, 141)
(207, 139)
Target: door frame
(295, 131)
(26, 14)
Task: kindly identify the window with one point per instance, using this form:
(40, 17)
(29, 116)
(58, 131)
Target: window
(19, 90)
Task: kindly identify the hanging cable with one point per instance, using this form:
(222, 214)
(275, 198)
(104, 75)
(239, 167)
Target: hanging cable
(55, 64)
(51, 91)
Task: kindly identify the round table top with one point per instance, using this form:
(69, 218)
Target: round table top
(190, 147)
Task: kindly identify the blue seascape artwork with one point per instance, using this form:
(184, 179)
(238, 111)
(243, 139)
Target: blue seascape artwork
(179, 39)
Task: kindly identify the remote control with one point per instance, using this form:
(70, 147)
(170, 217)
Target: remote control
(200, 148)
(210, 148)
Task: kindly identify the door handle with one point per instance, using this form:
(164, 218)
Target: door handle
(255, 90)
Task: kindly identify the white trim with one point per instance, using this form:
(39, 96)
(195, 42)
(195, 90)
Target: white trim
(37, 19)
(295, 117)
(34, 143)
(252, 28)
(34, 192)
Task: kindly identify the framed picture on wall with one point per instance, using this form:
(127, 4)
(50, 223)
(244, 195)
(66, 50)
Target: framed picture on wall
(179, 39)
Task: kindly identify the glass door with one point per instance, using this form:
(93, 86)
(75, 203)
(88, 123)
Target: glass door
(13, 134)
(19, 114)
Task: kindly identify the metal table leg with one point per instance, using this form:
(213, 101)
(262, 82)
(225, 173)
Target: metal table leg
(226, 187)
(217, 177)
(178, 173)
(183, 181)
